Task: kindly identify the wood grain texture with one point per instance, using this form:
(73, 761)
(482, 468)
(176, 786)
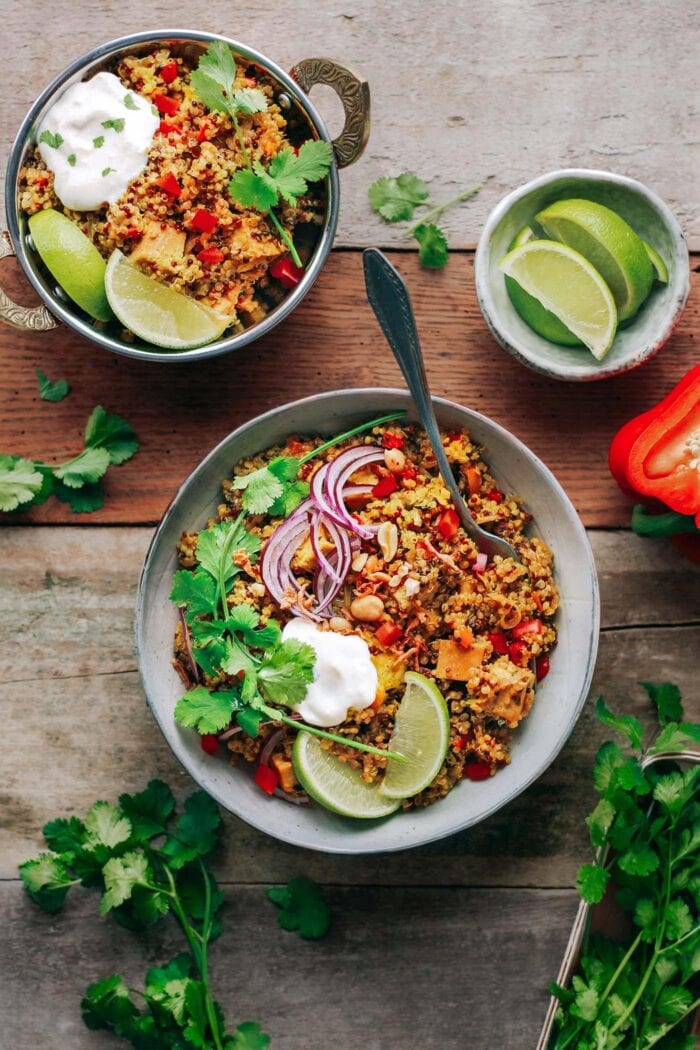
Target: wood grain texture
(77, 726)
(484, 948)
(459, 92)
(331, 342)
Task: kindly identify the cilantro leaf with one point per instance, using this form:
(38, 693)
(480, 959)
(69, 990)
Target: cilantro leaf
(679, 920)
(675, 737)
(148, 811)
(208, 91)
(65, 836)
(218, 63)
(197, 1023)
(673, 1002)
(50, 139)
(645, 918)
(640, 861)
(260, 489)
(107, 1004)
(586, 1000)
(121, 875)
(249, 720)
(303, 907)
(87, 467)
(599, 821)
(129, 101)
(20, 482)
(291, 172)
(625, 725)
(591, 882)
(249, 100)
(294, 494)
(244, 620)
(395, 199)
(106, 825)
(47, 881)
(210, 547)
(85, 500)
(248, 1036)
(110, 432)
(432, 245)
(196, 831)
(204, 711)
(49, 391)
(195, 591)
(116, 123)
(607, 762)
(252, 190)
(285, 672)
(666, 698)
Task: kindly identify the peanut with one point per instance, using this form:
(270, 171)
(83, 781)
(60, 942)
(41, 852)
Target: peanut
(388, 537)
(338, 623)
(368, 608)
(359, 562)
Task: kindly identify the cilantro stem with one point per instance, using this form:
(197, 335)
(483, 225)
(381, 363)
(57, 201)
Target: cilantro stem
(351, 433)
(284, 236)
(655, 1039)
(278, 716)
(623, 963)
(225, 551)
(434, 213)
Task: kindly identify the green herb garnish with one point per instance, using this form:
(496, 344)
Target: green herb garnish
(287, 175)
(396, 200)
(71, 158)
(302, 908)
(109, 439)
(117, 123)
(50, 139)
(637, 993)
(99, 142)
(129, 101)
(106, 171)
(147, 862)
(49, 391)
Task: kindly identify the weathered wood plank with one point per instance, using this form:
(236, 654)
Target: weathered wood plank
(590, 95)
(331, 342)
(398, 968)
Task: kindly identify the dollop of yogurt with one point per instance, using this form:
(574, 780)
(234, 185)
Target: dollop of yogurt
(344, 675)
(95, 139)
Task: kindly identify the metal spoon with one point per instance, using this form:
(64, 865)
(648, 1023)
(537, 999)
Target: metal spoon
(389, 298)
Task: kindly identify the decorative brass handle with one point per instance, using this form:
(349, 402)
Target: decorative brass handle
(353, 92)
(26, 318)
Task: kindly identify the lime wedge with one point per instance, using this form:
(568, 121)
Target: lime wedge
(421, 734)
(334, 785)
(531, 310)
(609, 244)
(157, 313)
(73, 260)
(569, 287)
(660, 267)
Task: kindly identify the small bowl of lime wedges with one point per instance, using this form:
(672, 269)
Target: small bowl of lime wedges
(582, 274)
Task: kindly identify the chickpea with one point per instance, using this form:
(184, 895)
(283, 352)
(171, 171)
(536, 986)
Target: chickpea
(395, 460)
(339, 623)
(368, 608)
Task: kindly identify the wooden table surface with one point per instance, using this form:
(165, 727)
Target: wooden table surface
(451, 945)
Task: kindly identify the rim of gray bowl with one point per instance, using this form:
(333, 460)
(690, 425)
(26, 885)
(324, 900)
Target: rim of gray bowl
(354, 847)
(483, 289)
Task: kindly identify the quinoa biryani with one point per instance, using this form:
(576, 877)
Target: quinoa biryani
(342, 636)
(193, 172)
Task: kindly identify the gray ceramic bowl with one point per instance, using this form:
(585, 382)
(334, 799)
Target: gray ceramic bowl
(645, 212)
(560, 696)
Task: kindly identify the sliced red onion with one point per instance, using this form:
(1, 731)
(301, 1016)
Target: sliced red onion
(317, 520)
(294, 799)
(228, 733)
(270, 744)
(480, 562)
(188, 646)
(357, 490)
(338, 473)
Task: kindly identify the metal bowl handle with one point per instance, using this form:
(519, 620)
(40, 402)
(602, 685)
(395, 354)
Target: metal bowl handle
(25, 318)
(353, 92)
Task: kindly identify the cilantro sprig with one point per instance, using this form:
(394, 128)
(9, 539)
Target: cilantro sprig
(645, 833)
(52, 391)
(257, 186)
(302, 908)
(109, 440)
(396, 200)
(147, 862)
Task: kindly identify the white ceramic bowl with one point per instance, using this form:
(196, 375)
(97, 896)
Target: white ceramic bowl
(649, 216)
(559, 698)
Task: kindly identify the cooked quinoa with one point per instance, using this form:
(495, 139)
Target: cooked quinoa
(482, 636)
(199, 149)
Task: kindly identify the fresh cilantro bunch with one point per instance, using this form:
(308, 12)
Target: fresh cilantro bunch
(257, 186)
(302, 908)
(109, 439)
(645, 831)
(396, 200)
(147, 862)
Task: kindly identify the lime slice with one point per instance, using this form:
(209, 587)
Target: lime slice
(533, 313)
(609, 244)
(73, 260)
(567, 285)
(421, 734)
(157, 313)
(660, 267)
(335, 785)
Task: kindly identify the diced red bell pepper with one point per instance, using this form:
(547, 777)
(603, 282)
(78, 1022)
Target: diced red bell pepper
(266, 778)
(477, 770)
(541, 666)
(461, 742)
(409, 473)
(388, 633)
(166, 106)
(526, 627)
(393, 441)
(42, 181)
(204, 221)
(499, 642)
(169, 183)
(166, 129)
(448, 524)
(385, 486)
(456, 435)
(169, 71)
(209, 256)
(517, 650)
(496, 495)
(209, 743)
(132, 233)
(203, 133)
(286, 272)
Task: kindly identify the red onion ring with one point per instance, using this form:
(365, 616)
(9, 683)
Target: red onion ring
(270, 745)
(480, 562)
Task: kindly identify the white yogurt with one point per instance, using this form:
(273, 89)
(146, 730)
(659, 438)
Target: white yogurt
(344, 675)
(95, 139)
